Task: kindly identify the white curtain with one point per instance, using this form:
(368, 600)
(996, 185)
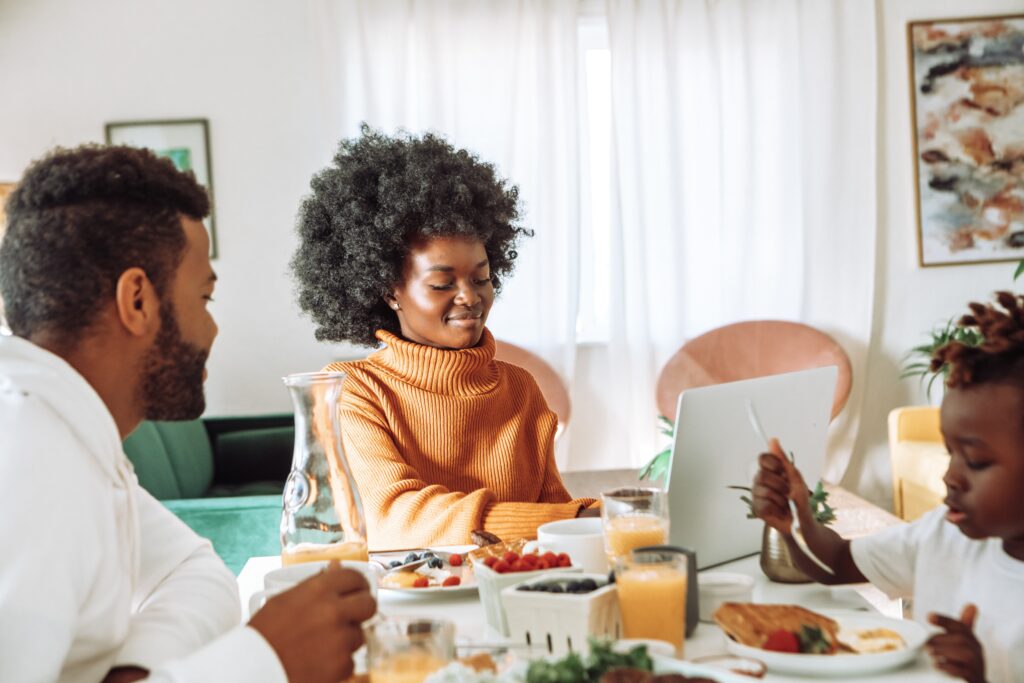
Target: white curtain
(500, 79)
(743, 183)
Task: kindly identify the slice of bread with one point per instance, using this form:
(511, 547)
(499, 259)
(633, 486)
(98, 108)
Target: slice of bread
(749, 624)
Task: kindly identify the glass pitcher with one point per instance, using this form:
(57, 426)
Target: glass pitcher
(322, 516)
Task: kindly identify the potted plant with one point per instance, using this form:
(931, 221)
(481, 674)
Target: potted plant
(918, 361)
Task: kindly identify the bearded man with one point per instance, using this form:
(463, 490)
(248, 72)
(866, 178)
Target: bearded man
(105, 278)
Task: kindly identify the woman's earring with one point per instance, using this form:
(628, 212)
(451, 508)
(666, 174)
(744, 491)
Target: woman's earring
(395, 306)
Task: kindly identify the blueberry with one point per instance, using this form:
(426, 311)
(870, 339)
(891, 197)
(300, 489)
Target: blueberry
(572, 587)
(556, 589)
(588, 585)
(394, 563)
(411, 557)
(435, 563)
(541, 587)
(611, 576)
(525, 587)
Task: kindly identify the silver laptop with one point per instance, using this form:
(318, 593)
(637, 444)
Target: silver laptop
(715, 446)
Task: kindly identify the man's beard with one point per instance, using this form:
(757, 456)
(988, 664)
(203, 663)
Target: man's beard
(172, 373)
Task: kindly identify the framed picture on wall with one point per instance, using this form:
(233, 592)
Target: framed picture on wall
(967, 103)
(186, 142)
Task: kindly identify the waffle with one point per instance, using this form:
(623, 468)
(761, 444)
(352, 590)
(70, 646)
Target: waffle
(749, 624)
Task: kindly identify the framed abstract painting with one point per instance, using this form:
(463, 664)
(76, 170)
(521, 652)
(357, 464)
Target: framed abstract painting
(186, 142)
(967, 103)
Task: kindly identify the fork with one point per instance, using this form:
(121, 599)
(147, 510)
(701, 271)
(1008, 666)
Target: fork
(797, 532)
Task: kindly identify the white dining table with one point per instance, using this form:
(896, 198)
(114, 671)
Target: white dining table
(466, 612)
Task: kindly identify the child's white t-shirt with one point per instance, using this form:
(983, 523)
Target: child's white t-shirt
(943, 570)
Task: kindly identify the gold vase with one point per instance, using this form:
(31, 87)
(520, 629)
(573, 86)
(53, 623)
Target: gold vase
(776, 562)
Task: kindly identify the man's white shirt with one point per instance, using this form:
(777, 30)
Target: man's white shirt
(94, 572)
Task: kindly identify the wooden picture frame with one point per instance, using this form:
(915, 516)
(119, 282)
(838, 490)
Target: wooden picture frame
(186, 142)
(967, 109)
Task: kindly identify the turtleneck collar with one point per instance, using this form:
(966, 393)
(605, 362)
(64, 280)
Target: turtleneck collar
(464, 372)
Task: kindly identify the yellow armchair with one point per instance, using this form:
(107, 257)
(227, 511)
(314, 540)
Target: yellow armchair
(919, 460)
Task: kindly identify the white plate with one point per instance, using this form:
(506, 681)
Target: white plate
(668, 665)
(464, 572)
(914, 635)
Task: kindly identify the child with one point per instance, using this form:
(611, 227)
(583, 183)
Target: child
(963, 562)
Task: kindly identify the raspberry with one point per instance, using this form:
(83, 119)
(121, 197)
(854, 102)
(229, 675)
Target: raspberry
(452, 581)
(563, 560)
(542, 563)
(455, 560)
(490, 561)
(510, 557)
(551, 558)
(782, 641)
(421, 582)
(501, 566)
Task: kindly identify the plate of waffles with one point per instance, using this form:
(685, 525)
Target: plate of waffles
(794, 640)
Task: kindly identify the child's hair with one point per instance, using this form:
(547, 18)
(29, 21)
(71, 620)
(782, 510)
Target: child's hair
(1000, 355)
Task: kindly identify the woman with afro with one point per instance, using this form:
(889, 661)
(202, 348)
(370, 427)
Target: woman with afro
(963, 563)
(403, 243)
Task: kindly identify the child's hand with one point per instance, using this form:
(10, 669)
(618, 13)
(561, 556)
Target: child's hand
(957, 651)
(777, 481)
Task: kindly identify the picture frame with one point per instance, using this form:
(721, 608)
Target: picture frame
(186, 142)
(967, 117)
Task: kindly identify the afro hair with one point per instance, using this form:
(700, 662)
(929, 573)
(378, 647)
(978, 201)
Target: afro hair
(379, 197)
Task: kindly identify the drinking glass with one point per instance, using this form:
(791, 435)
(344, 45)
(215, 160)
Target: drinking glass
(408, 650)
(322, 516)
(633, 518)
(652, 596)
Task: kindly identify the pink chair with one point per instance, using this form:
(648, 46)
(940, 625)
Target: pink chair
(551, 385)
(749, 349)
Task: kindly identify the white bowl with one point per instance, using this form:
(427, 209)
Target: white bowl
(491, 584)
(718, 587)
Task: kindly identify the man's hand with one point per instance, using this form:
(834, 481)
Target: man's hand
(776, 482)
(125, 674)
(957, 651)
(316, 627)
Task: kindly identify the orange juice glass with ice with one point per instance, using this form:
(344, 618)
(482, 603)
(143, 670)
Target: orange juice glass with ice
(408, 650)
(652, 596)
(633, 518)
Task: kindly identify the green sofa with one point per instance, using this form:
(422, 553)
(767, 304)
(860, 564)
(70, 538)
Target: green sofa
(222, 476)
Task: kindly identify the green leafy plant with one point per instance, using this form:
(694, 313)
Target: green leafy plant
(657, 468)
(813, 641)
(575, 669)
(1020, 270)
(917, 362)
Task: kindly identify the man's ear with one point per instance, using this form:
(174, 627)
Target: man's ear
(138, 306)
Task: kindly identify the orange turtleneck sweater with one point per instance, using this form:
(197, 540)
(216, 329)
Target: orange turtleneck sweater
(442, 442)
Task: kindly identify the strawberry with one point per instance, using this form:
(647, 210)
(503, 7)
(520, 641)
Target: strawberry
(421, 582)
(510, 557)
(782, 641)
(501, 567)
(551, 558)
(452, 581)
(542, 563)
(520, 566)
(455, 560)
(563, 560)
(490, 561)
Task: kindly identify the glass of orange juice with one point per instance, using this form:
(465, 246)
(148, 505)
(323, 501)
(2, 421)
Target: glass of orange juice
(408, 650)
(633, 518)
(652, 596)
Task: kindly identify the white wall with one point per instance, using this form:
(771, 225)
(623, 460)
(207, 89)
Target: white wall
(68, 67)
(909, 300)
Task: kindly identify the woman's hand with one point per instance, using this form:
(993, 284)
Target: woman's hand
(957, 651)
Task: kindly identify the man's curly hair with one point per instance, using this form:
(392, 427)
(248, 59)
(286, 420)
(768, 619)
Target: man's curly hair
(1000, 355)
(381, 196)
(77, 220)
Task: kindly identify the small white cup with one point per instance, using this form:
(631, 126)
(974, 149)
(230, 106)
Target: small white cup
(286, 578)
(581, 539)
(718, 587)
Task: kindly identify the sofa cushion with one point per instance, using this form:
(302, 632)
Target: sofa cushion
(239, 527)
(145, 449)
(190, 455)
(263, 454)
